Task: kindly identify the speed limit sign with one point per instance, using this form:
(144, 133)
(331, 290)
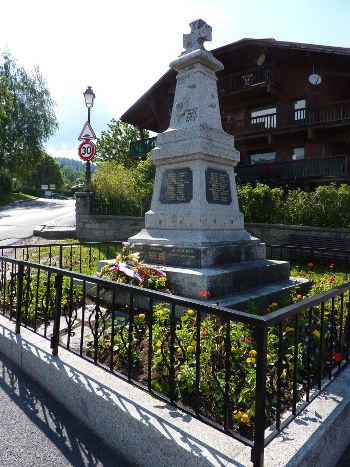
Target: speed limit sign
(86, 150)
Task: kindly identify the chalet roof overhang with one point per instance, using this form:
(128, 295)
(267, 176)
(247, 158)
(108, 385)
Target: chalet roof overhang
(150, 111)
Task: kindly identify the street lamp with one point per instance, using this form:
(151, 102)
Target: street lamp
(89, 97)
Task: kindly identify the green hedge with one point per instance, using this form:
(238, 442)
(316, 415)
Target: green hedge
(327, 206)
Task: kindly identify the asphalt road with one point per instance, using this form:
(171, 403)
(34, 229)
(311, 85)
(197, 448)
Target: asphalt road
(37, 431)
(17, 221)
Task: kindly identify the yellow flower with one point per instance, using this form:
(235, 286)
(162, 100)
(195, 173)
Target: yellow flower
(237, 415)
(191, 312)
(299, 297)
(233, 350)
(179, 351)
(317, 334)
(268, 356)
(253, 353)
(245, 418)
(190, 349)
(274, 305)
(253, 361)
(159, 344)
(249, 360)
(159, 352)
(284, 374)
(142, 316)
(304, 297)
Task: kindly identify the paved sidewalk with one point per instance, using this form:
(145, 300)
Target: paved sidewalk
(37, 431)
(63, 227)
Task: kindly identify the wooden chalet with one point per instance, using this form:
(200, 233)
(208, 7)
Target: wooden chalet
(287, 104)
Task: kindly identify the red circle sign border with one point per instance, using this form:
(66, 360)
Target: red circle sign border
(90, 156)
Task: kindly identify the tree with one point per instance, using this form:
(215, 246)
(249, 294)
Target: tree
(118, 136)
(47, 171)
(27, 118)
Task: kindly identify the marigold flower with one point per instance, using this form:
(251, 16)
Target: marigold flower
(284, 374)
(159, 344)
(142, 316)
(204, 332)
(237, 415)
(159, 352)
(179, 350)
(331, 279)
(190, 349)
(249, 360)
(253, 353)
(317, 334)
(245, 418)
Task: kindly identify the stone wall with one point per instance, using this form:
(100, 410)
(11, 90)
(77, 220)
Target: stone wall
(277, 234)
(103, 228)
(100, 228)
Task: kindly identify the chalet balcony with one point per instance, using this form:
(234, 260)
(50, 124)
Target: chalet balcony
(302, 169)
(248, 80)
(141, 148)
(335, 114)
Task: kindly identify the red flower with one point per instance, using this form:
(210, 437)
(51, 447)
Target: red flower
(311, 265)
(336, 356)
(246, 340)
(331, 265)
(331, 279)
(204, 332)
(205, 293)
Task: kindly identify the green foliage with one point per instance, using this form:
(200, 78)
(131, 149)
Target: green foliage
(130, 188)
(47, 171)
(117, 136)
(27, 118)
(5, 180)
(260, 203)
(327, 206)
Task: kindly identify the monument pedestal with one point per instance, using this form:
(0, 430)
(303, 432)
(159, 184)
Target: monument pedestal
(194, 228)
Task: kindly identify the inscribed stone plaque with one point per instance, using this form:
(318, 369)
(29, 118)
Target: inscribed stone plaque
(177, 186)
(169, 255)
(217, 186)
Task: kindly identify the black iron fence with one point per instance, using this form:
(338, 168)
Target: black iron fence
(80, 257)
(240, 373)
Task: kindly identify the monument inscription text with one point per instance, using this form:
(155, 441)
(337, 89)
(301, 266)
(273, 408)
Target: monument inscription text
(218, 189)
(177, 186)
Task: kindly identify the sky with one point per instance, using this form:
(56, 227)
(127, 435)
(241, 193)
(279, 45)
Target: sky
(121, 48)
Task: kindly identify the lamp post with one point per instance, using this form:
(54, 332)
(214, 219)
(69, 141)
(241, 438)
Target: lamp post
(89, 97)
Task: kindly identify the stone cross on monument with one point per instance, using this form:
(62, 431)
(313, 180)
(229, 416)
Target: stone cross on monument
(200, 32)
(194, 220)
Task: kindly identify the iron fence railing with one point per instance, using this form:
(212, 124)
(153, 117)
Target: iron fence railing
(113, 206)
(79, 257)
(239, 372)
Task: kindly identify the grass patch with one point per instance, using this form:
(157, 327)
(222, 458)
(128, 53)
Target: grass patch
(7, 198)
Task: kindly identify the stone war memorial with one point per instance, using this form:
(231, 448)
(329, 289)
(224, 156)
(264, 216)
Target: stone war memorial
(195, 228)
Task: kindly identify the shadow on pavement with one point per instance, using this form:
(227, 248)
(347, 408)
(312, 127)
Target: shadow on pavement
(43, 418)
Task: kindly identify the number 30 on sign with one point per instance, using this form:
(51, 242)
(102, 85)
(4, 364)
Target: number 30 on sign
(86, 150)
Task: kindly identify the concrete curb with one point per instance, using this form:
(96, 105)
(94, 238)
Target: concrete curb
(54, 232)
(149, 432)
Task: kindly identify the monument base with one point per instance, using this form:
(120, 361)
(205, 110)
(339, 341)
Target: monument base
(201, 257)
(226, 279)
